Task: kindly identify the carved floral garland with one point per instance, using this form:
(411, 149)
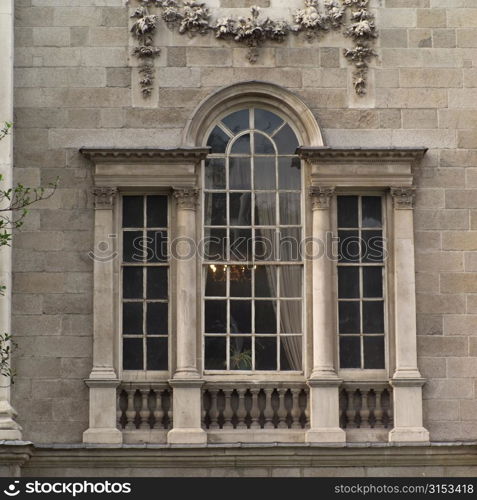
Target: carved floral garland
(313, 20)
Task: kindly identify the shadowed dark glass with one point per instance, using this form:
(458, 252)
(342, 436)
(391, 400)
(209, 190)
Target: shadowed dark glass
(215, 353)
(372, 282)
(286, 141)
(348, 282)
(218, 141)
(238, 121)
(132, 318)
(215, 316)
(349, 317)
(265, 353)
(347, 211)
(156, 210)
(350, 352)
(266, 121)
(132, 282)
(371, 211)
(265, 316)
(374, 352)
(157, 318)
(132, 354)
(133, 211)
(373, 316)
(157, 283)
(240, 316)
(157, 353)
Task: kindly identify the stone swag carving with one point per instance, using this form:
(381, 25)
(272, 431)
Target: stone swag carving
(316, 19)
(320, 197)
(403, 197)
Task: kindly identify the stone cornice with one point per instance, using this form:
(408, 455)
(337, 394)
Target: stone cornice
(145, 155)
(328, 154)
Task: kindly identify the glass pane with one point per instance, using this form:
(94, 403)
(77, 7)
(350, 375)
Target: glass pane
(266, 121)
(237, 121)
(264, 173)
(265, 353)
(290, 353)
(156, 209)
(133, 211)
(265, 214)
(263, 145)
(290, 213)
(157, 353)
(286, 141)
(372, 282)
(215, 244)
(215, 316)
(218, 141)
(157, 283)
(241, 146)
(215, 209)
(240, 173)
(289, 173)
(241, 353)
(371, 211)
(240, 281)
(373, 317)
(373, 352)
(290, 316)
(132, 318)
(348, 246)
(347, 211)
(132, 282)
(266, 281)
(240, 316)
(290, 281)
(350, 352)
(240, 209)
(216, 281)
(133, 246)
(372, 246)
(265, 316)
(157, 318)
(348, 282)
(215, 173)
(132, 354)
(156, 246)
(240, 244)
(349, 317)
(265, 244)
(290, 244)
(215, 357)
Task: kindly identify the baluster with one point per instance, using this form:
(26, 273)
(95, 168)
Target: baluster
(151, 406)
(123, 406)
(282, 411)
(255, 411)
(372, 408)
(130, 410)
(268, 411)
(357, 408)
(288, 406)
(386, 408)
(241, 412)
(378, 412)
(213, 412)
(228, 410)
(343, 408)
(350, 409)
(166, 404)
(144, 412)
(234, 403)
(248, 404)
(221, 408)
(304, 404)
(158, 409)
(295, 409)
(137, 408)
(364, 409)
(262, 403)
(206, 399)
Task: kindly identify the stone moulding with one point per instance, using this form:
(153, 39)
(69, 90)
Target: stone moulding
(370, 154)
(315, 19)
(167, 154)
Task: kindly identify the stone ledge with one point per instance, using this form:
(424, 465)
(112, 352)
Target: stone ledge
(368, 154)
(168, 155)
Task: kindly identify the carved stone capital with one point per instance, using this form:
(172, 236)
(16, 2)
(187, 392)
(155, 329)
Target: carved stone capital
(186, 198)
(320, 197)
(403, 197)
(104, 197)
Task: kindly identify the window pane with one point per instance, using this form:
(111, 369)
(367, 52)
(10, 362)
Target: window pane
(215, 358)
(157, 318)
(372, 282)
(350, 352)
(371, 211)
(349, 246)
(265, 316)
(290, 353)
(215, 173)
(215, 244)
(374, 352)
(290, 209)
(215, 316)
(241, 145)
(348, 282)
(215, 209)
(218, 141)
(266, 281)
(215, 281)
(241, 353)
(289, 173)
(264, 173)
(239, 173)
(240, 209)
(157, 283)
(133, 246)
(290, 244)
(265, 244)
(132, 318)
(240, 281)
(157, 353)
(156, 207)
(349, 317)
(290, 316)
(132, 354)
(290, 281)
(237, 121)
(265, 353)
(266, 121)
(133, 211)
(286, 141)
(240, 244)
(373, 317)
(156, 246)
(132, 282)
(372, 246)
(265, 214)
(240, 316)
(347, 211)
(263, 146)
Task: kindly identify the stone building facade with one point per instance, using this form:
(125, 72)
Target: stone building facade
(395, 397)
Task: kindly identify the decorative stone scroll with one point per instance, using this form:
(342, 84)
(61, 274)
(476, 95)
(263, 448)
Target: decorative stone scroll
(104, 197)
(403, 197)
(314, 20)
(320, 197)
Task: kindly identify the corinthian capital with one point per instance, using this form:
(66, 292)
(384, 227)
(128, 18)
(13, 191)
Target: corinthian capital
(320, 196)
(403, 197)
(104, 197)
(186, 197)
